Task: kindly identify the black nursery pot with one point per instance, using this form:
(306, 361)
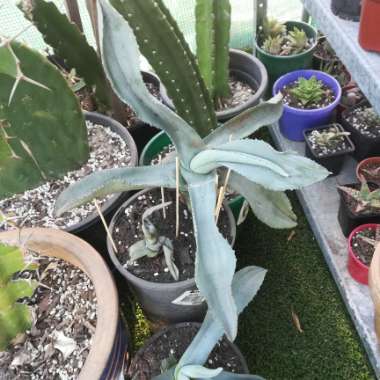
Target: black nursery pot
(348, 220)
(156, 299)
(141, 368)
(91, 229)
(141, 132)
(364, 146)
(346, 9)
(333, 162)
(246, 68)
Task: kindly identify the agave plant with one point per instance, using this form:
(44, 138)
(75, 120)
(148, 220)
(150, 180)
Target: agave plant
(246, 283)
(308, 91)
(258, 172)
(153, 244)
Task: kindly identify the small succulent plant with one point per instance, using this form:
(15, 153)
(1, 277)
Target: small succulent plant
(330, 137)
(308, 91)
(370, 116)
(365, 198)
(277, 40)
(371, 174)
(373, 242)
(15, 317)
(153, 243)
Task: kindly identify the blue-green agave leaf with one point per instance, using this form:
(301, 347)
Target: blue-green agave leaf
(248, 122)
(215, 259)
(235, 376)
(121, 60)
(260, 163)
(195, 371)
(245, 285)
(105, 182)
(271, 207)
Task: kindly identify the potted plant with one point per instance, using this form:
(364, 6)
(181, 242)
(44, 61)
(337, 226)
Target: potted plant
(257, 171)
(351, 96)
(285, 47)
(310, 98)
(359, 204)
(364, 124)
(185, 348)
(369, 25)
(362, 243)
(162, 275)
(50, 144)
(235, 80)
(346, 9)
(75, 330)
(373, 281)
(369, 170)
(328, 145)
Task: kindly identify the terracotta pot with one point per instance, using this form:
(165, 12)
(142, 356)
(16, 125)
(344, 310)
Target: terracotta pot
(362, 176)
(374, 286)
(370, 25)
(357, 269)
(109, 343)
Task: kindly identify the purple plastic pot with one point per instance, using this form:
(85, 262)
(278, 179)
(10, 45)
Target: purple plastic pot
(294, 120)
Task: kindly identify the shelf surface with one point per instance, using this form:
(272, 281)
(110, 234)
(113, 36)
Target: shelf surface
(343, 36)
(320, 203)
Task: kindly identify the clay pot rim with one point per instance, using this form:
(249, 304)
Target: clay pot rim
(60, 244)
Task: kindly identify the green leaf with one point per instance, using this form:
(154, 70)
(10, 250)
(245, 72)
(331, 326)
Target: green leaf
(215, 259)
(7, 62)
(15, 290)
(11, 261)
(164, 46)
(245, 285)
(261, 164)
(121, 60)
(236, 376)
(195, 371)
(248, 122)
(271, 207)
(105, 182)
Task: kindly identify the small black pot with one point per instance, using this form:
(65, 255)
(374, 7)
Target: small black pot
(156, 337)
(364, 146)
(155, 298)
(245, 67)
(332, 162)
(347, 9)
(347, 220)
(91, 229)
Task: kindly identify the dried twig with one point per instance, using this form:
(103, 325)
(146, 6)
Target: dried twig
(177, 197)
(105, 225)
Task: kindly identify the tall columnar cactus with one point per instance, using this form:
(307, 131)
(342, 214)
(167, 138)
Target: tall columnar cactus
(259, 171)
(70, 45)
(164, 46)
(213, 23)
(42, 130)
(15, 317)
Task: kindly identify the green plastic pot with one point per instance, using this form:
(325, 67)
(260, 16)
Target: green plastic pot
(162, 140)
(277, 66)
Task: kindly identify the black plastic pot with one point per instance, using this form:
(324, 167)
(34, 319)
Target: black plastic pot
(91, 229)
(364, 146)
(332, 162)
(154, 340)
(347, 220)
(247, 69)
(156, 299)
(346, 9)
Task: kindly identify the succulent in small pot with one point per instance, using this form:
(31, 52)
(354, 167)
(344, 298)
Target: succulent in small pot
(362, 243)
(285, 47)
(364, 124)
(185, 349)
(351, 96)
(68, 321)
(328, 145)
(359, 204)
(347, 9)
(369, 25)
(157, 263)
(310, 97)
(369, 170)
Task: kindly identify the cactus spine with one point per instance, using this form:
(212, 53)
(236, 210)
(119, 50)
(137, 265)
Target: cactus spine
(42, 130)
(15, 317)
(213, 23)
